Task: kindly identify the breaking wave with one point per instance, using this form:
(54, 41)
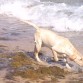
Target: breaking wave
(61, 16)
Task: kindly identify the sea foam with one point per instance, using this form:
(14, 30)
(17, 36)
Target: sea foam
(61, 16)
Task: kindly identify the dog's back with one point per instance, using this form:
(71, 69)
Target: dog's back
(50, 38)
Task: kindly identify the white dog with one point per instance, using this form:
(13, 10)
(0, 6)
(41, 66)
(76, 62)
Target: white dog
(56, 43)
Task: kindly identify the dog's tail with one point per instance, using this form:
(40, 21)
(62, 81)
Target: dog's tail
(32, 24)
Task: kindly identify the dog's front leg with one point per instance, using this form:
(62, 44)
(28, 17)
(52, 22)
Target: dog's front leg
(66, 62)
(54, 54)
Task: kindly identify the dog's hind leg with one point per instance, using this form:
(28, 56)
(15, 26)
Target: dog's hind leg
(38, 44)
(36, 52)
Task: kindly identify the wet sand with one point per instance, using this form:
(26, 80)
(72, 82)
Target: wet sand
(14, 33)
(18, 36)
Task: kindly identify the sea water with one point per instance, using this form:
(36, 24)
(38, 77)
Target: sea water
(61, 15)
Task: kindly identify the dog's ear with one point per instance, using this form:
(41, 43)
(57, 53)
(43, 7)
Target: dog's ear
(82, 58)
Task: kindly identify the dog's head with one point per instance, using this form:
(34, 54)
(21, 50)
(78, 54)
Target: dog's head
(79, 61)
(77, 58)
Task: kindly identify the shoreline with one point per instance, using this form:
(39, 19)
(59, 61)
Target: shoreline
(16, 36)
(13, 31)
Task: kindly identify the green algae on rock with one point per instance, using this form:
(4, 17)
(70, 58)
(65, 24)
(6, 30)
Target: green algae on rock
(26, 67)
(20, 59)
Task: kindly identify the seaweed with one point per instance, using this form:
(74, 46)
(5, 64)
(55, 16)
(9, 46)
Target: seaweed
(27, 67)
